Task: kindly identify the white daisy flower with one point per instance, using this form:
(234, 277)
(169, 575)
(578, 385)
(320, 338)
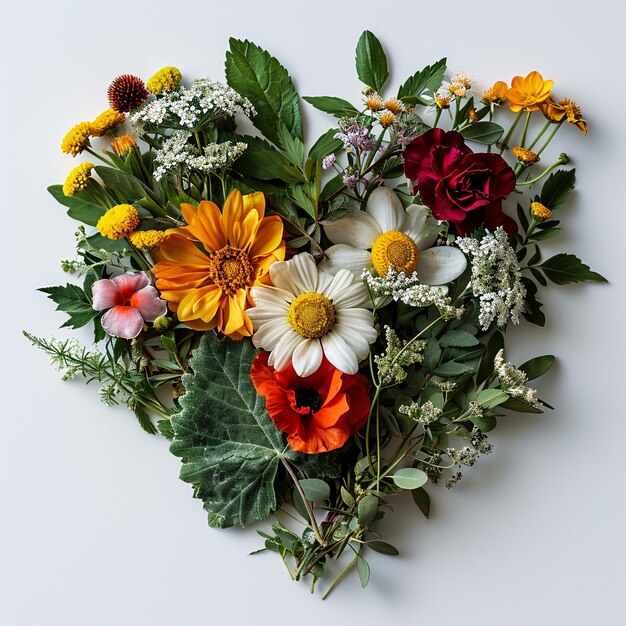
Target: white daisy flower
(308, 314)
(386, 235)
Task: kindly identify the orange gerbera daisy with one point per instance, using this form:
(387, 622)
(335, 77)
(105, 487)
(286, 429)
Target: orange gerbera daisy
(319, 412)
(526, 94)
(208, 285)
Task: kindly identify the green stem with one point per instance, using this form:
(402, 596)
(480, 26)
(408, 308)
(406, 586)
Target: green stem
(339, 576)
(541, 132)
(545, 145)
(562, 160)
(526, 121)
(99, 156)
(437, 116)
(505, 141)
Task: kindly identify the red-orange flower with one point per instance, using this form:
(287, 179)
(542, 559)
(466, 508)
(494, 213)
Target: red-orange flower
(319, 412)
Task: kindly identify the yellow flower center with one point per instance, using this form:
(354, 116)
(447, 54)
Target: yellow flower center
(231, 269)
(311, 315)
(540, 212)
(397, 250)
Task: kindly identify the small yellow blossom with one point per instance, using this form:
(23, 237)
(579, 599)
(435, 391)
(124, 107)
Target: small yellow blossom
(148, 238)
(461, 78)
(527, 94)
(458, 89)
(106, 122)
(443, 99)
(540, 212)
(386, 118)
(374, 102)
(574, 114)
(164, 81)
(76, 139)
(118, 222)
(525, 156)
(77, 179)
(496, 94)
(123, 145)
(394, 105)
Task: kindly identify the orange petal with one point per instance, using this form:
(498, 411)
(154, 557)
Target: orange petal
(268, 236)
(255, 201)
(182, 251)
(232, 215)
(236, 304)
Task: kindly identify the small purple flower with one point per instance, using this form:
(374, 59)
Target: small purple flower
(328, 161)
(356, 136)
(350, 180)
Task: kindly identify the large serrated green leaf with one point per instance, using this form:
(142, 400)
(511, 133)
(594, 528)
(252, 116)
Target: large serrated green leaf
(563, 269)
(557, 188)
(330, 104)
(371, 62)
(230, 449)
(254, 72)
(425, 81)
(261, 160)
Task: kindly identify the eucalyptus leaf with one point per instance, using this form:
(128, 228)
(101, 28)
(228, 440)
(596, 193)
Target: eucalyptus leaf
(409, 478)
(315, 489)
(363, 569)
(422, 500)
(367, 509)
(383, 547)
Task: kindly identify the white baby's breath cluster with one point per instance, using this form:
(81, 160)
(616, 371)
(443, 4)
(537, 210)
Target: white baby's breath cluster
(187, 106)
(423, 414)
(177, 151)
(409, 290)
(398, 355)
(512, 381)
(496, 278)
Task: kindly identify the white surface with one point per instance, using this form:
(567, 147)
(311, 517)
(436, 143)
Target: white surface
(96, 528)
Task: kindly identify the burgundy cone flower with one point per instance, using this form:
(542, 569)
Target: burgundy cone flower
(458, 185)
(131, 300)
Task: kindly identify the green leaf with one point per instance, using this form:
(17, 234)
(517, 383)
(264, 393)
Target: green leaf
(543, 235)
(515, 404)
(538, 366)
(422, 500)
(452, 369)
(72, 300)
(491, 398)
(371, 62)
(409, 478)
(458, 339)
(347, 497)
(563, 269)
(78, 209)
(261, 160)
(292, 146)
(494, 345)
(315, 490)
(383, 547)
(326, 144)
(230, 449)
(125, 186)
(483, 132)
(252, 71)
(363, 569)
(557, 188)
(329, 104)
(425, 81)
(367, 509)
(485, 423)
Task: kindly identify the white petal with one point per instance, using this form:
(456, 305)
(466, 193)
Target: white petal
(271, 296)
(281, 355)
(269, 334)
(342, 280)
(385, 207)
(344, 257)
(354, 296)
(360, 320)
(355, 340)
(307, 357)
(420, 225)
(281, 276)
(303, 272)
(339, 353)
(440, 265)
(357, 229)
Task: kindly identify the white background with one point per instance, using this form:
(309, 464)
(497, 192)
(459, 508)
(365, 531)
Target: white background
(95, 526)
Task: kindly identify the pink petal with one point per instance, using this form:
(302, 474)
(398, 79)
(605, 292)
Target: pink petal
(129, 283)
(122, 321)
(105, 295)
(148, 303)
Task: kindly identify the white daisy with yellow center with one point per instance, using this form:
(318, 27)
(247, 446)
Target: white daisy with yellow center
(308, 314)
(386, 235)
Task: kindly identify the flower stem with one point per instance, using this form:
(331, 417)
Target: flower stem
(505, 141)
(545, 145)
(526, 121)
(541, 132)
(562, 160)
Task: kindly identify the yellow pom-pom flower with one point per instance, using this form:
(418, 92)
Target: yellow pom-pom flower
(77, 179)
(106, 122)
(76, 139)
(540, 212)
(122, 145)
(148, 238)
(525, 156)
(164, 81)
(118, 222)
(386, 118)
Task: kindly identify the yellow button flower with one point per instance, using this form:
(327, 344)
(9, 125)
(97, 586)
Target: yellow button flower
(526, 94)
(118, 222)
(76, 139)
(148, 238)
(164, 81)
(77, 179)
(106, 122)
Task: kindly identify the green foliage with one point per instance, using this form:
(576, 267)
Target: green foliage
(252, 71)
(72, 300)
(371, 62)
(483, 132)
(261, 160)
(422, 83)
(79, 208)
(230, 449)
(409, 478)
(329, 104)
(557, 188)
(538, 366)
(563, 269)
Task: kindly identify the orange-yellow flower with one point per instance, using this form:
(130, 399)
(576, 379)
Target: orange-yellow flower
(526, 94)
(496, 93)
(552, 110)
(208, 286)
(574, 114)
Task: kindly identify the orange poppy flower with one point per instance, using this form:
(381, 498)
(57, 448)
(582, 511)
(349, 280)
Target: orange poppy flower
(526, 94)
(319, 412)
(208, 285)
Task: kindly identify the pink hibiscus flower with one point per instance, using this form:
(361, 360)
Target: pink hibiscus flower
(131, 300)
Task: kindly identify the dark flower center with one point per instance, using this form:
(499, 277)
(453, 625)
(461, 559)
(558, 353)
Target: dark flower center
(308, 398)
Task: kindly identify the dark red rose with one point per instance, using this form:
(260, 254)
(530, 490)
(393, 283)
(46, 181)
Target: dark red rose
(463, 187)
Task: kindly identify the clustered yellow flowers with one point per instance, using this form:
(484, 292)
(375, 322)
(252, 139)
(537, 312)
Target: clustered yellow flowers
(77, 179)
(118, 222)
(164, 81)
(386, 109)
(76, 139)
(106, 122)
(540, 212)
(148, 238)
